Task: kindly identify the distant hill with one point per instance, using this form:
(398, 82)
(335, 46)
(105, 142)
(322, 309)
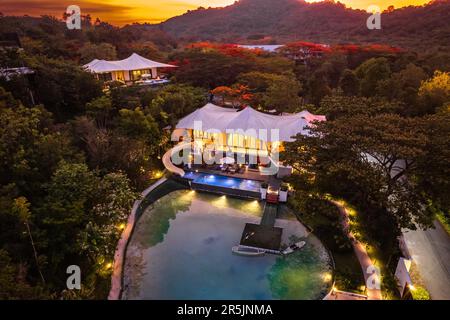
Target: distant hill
(279, 21)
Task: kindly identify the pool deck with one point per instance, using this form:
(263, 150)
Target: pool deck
(247, 174)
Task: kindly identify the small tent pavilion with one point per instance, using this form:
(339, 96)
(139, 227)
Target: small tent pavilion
(127, 70)
(247, 131)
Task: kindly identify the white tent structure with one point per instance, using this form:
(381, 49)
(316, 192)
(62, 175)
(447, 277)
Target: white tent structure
(129, 69)
(248, 122)
(250, 135)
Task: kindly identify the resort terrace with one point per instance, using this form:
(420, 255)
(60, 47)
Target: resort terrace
(242, 146)
(246, 142)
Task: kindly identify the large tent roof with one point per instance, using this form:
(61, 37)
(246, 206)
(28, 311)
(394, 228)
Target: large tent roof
(133, 62)
(249, 122)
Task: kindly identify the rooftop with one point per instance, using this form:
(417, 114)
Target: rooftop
(249, 121)
(133, 62)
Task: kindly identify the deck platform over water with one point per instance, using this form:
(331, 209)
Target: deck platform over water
(262, 236)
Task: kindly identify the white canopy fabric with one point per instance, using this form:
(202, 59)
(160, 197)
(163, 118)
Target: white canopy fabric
(133, 62)
(249, 122)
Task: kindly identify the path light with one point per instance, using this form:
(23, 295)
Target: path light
(108, 265)
(411, 287)
(121, 226)
(327, 277)
(158, 174)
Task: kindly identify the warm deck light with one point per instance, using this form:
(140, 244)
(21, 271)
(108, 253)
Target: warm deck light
(121, 226)
(108, 265)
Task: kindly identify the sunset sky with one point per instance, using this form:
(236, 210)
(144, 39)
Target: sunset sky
(121, 12)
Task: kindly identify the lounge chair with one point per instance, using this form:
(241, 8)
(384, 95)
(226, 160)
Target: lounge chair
(234, 168)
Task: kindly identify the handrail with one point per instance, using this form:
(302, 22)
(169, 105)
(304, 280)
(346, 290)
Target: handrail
(167, 158)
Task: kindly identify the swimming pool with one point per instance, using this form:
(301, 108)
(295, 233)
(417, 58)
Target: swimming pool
(224, 181)
(181, 249)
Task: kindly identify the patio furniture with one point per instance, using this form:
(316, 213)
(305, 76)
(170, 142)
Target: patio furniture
(227, 160)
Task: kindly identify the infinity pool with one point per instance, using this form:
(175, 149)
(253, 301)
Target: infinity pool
(181, 249)
(223, 181)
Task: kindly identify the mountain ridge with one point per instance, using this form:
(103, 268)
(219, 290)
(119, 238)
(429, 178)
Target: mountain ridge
(280, 21)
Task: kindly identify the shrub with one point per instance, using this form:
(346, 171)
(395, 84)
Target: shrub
(420, 293)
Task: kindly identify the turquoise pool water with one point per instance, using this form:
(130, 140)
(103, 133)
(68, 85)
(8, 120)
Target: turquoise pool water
(181, 249)
(224, 181)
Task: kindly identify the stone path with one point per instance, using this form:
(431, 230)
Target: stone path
(361, 254)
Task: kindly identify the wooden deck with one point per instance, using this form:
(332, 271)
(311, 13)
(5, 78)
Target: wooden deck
(269, 215)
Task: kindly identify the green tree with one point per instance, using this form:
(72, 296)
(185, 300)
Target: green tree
(318, 87)
(13, 284)
(64, 88)
(30, 146)
(435, 92)
(370, 73)
(111, 150)
(71, 192)
(102, 110)
(146, 49)
(404, 86)
(283, 96)
(337, 106)
(21, 208)
(272, 91)
(102, 51)
(177, 101)
(100, 235)
(349, 83)
(434, 168)
(137, 124)
(374, 156)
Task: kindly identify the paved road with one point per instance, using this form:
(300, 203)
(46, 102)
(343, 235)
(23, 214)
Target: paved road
(430, 249)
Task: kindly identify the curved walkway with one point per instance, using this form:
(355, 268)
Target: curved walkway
(360, 252)
(119, 256)
(167, 158)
